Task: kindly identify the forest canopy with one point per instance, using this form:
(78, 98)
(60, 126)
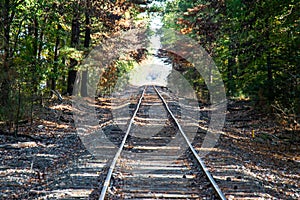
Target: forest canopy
(43, 43)
(255, 45)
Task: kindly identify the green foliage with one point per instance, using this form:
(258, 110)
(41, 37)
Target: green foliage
(254, 44)
(42, 41)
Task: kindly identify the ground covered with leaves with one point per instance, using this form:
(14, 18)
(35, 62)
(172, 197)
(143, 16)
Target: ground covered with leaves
(256, 154)
(255, 157)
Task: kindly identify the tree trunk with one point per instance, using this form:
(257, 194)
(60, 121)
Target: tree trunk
(5, 83)
(75, 36)
(87, 39)
(71, 76)
(270, 86)
(231, 69)
(55, 65)
(270, 79)
(35, 76)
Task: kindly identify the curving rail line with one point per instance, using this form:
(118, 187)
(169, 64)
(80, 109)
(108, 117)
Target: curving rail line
(107, 181)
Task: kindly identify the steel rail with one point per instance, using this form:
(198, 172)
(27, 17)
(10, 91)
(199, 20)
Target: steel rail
(113, 164)
(204, 168)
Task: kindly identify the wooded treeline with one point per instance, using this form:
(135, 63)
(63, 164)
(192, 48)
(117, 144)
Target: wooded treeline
(255, 45)
(43, 41)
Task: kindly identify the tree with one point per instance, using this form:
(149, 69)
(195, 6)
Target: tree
(252, 42)
(43, 43)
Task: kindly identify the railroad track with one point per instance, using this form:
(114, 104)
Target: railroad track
(148, 165)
